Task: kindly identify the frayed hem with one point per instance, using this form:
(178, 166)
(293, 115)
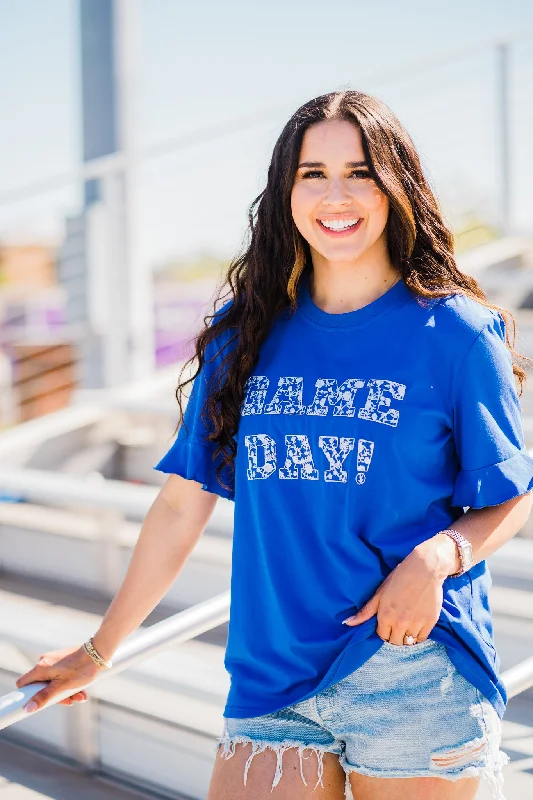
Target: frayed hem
(491, 774)
(228, 744)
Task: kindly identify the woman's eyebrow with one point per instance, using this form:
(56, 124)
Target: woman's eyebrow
(316, 164)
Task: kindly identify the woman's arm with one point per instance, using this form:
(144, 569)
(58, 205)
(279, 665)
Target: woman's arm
(169, 532)
(487, 529)
(410, 598)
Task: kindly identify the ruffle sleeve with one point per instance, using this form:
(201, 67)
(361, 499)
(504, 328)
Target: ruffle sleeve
(490, 486)
(495, 465)
(192, 455)
(194, 461)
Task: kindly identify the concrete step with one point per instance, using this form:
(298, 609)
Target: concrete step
(91, 552)
(194, 669)
(88, 555)
(154, 725)
(80, 599)
(26, 774)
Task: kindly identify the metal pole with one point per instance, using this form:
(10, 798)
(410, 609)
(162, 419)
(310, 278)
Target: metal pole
(137, 278)
(504, 134)
(145, 643)
(519, 678)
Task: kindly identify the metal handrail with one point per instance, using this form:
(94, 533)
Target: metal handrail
(178, 629)
(101, 495)
(53, 487)
(519, 678)
(145, 643)
(113, 162)
(43, 486)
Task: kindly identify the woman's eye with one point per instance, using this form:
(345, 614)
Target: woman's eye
(316, 173)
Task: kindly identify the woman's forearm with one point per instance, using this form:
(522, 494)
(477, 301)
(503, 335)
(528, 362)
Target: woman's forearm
(487, 529)
(168, 535)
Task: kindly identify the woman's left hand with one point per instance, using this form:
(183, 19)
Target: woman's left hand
(409, 600)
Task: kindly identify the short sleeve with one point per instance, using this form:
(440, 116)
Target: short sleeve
(487, 425)
(192, 454)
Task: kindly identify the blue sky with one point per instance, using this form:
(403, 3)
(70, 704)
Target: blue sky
(202, 63)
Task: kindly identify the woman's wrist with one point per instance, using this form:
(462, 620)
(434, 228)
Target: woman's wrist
(103, 645)
(440, 555)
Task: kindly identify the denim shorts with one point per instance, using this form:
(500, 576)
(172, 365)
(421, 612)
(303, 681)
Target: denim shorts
(406, 712)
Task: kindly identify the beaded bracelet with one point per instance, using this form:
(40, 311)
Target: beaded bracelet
(95, 655)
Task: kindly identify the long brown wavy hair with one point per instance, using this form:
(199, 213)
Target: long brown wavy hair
(262, 280)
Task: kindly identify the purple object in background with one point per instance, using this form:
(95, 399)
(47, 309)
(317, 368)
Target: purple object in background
(55, 317)
(179, 310)
(171, 347)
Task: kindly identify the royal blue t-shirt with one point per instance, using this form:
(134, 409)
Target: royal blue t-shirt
(361, 435)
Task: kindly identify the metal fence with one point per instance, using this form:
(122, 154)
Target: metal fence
(56, 489)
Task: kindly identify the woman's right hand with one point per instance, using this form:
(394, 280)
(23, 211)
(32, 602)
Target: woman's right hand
(65, 669)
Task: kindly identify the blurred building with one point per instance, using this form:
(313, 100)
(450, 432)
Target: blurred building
(38, 358)
(108, 291)
(75, 271)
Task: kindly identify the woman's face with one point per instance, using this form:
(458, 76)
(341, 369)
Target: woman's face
(335, 204)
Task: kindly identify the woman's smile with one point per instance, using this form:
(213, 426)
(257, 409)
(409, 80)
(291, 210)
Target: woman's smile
(339, 226)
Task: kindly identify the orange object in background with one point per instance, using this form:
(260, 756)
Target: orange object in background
(30, 265)
(44, 378)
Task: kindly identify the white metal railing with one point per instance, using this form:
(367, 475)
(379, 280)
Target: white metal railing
(56, 488)
(145, 643)
(107, 501)
(112, 163)
(105, 495)
(181, 628)
(518, 678)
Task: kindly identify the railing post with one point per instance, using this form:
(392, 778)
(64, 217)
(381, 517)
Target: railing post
(110, 523)
(82, 730)
(503, 123)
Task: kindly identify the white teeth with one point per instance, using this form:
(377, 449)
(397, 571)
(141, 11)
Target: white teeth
(338, 224)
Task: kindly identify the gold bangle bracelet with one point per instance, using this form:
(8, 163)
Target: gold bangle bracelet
(91, 651)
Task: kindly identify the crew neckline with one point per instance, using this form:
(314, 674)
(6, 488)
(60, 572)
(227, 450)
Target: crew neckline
(395, 296)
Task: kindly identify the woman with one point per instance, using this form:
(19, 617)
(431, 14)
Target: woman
(356, 398)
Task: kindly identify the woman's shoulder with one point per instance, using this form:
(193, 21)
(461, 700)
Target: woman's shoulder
(221, 308)
(460, 319)
(226, 332)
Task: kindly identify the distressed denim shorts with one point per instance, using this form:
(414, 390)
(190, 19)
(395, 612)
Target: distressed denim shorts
(407, 712)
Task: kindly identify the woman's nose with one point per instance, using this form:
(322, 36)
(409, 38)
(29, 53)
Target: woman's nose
(336, 193)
